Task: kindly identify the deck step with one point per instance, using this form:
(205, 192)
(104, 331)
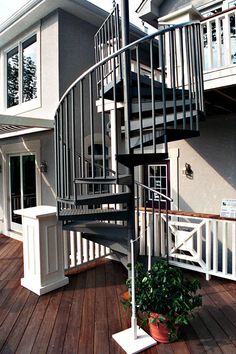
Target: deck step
(93, 214)
(140, 159)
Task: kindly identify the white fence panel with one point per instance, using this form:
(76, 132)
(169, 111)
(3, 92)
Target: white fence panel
(78, 250)
(202, 244)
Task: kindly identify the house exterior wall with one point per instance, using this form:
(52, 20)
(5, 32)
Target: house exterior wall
(76, 48)
(169, 6)
(212, 159)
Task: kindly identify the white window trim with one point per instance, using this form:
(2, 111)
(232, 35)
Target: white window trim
(36, 102)
(24, 147)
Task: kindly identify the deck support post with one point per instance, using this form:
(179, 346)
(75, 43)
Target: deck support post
(43, 250)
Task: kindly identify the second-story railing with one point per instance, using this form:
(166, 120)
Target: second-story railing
(219, 40)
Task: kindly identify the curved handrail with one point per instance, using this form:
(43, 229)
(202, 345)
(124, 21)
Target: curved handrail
(120, 51)
(154, 191)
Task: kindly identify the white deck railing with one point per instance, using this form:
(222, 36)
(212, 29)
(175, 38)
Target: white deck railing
(201, 244)
(78, 250)
(219, 40)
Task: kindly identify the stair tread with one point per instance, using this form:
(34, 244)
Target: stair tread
(172, 135)
(89, 211)
(110, 235)
(93, 214)
(94, 226)
(147, 105)
(91, 196)
(100, 180)
(114, 245)
(148, 121)
(139, 159)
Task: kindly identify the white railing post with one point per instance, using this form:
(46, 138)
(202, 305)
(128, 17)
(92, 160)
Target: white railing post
(209, 45)
(215, 245)
(224, 248)
(234, 249)
(208, 249)
(226, 34)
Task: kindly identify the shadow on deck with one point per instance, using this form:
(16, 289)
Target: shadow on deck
(81, 317)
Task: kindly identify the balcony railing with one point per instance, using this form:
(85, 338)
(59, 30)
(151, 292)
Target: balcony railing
(219, 40)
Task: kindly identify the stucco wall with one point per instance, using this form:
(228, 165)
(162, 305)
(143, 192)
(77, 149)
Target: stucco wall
(76, 48)
(212, 158)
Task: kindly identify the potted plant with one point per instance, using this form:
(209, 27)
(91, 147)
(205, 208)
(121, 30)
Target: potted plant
(164, 299)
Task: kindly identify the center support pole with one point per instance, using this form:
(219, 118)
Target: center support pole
(132, 340)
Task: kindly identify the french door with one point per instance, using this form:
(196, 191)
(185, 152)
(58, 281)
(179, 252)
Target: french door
(157, 177)
(22, 186)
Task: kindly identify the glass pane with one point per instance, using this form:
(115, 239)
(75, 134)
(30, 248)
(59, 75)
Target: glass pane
(29, 184)
(233, 39)
(13, 78)
(29, 52)
(15, 187)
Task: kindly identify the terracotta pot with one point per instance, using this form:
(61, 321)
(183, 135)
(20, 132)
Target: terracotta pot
(158, 329)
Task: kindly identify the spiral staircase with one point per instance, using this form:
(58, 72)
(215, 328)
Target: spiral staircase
(119, 114)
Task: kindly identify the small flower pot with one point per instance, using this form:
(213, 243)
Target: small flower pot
(158, 330)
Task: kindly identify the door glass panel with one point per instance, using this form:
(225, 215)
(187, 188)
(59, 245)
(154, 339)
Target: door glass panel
(29, 184)
(15, 177)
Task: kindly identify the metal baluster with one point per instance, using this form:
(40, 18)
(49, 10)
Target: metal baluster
(162, 58)
(139, 101)
(153, 97)
(67, 157)
(182, 76)
(91, 117)
(173, 72)
(73, 141)
(103, 128)
(189, 75)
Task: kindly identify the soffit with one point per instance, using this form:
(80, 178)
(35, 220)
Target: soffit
(35, 10)
(16, 125)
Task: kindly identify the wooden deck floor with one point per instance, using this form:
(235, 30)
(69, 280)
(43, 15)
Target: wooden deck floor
(81, 317)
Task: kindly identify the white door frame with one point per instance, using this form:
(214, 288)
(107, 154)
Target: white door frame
(24, 147)
(13, 225)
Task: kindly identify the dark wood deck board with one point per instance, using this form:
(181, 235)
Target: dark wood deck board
(86, 340)
(81, 317)
(71, 342)
(15, 335)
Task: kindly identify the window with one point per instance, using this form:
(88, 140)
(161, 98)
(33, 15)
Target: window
(22, 72)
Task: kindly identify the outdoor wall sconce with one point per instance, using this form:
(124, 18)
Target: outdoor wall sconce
(44, 167)
(0, 168)
(187, 170)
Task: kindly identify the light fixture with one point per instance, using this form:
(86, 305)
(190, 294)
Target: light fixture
(44, 167)
(0, 168)
(187, 171)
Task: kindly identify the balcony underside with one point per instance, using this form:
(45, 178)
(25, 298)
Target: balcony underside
(81, 317)
(221, 100)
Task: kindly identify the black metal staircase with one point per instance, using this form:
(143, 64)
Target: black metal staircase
(94, 145)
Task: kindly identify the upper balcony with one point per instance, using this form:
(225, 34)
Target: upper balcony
(219, 49)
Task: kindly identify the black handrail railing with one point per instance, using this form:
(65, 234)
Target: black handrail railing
(175, 101)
